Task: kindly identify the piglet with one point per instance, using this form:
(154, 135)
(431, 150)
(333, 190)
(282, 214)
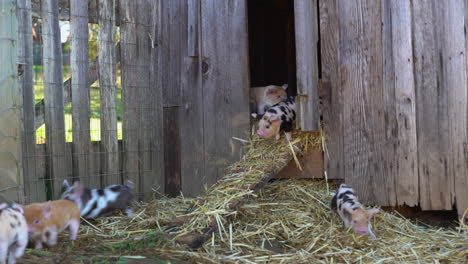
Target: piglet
(352, 212)
(265, 97)
(279, 117)
(100, 202)
(47, 220)
(13, 233)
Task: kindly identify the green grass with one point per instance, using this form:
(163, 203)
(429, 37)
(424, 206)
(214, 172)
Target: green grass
(95, 112)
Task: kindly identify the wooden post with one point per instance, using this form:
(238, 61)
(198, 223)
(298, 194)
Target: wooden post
(53, 95)
(305, 13)
(130, 92)
(143, 19)
(80, 90)
(11, 183)
(108, 92)
(34, 188)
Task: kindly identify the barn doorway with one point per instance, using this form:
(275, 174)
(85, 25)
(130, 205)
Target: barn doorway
(272, 50)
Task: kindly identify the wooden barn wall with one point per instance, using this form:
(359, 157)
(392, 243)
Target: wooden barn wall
(184, 101)
(395, 100)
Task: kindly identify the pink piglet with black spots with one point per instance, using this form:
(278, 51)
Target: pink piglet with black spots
(99, 202)
(13, 233)
(352, 213)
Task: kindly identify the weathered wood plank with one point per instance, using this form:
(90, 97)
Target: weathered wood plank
(225, 83)
(193, 11)
(456, 82)
(144, 9)
(108, 92)
(130, 92)
(174, 43)
(191, 129)
(333, 95)
(391, 138)
(157, 143)
(191, 114)
(406, 151)
(53, 94)
(80, 89)
(11, 184)
(25, 56)
(432, 99)
(305, 13)
(172, 151)
(360, 72)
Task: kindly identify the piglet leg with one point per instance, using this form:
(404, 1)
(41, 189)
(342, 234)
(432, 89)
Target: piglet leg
(277, 136)
(288, 136)
(73, 227)
(128, 212)
(52, 238)
(16, 251)
(371, 234)
(3, 251)
(38, 243)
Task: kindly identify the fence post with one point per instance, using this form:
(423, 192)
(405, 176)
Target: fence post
(11, 185)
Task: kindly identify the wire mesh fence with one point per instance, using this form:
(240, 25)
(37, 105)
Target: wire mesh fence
(83, 125)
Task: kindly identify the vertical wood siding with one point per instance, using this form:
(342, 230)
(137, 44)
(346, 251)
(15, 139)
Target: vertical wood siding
(395, 112)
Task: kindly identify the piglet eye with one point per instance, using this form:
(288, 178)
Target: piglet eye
(354, 221)
(36, 222)
(268, 127)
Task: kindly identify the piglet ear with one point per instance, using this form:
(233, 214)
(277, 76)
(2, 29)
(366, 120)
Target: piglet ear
(47, 210)
(349, 210)
(274, 118)
(18, 207)
(130, 184)
(65, 184)
(285, 86)
(372, 212)
(78, 190)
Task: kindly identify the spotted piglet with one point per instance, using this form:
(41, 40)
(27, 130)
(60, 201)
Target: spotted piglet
(279, 117)
(352, 212)
(13, 233)
(265, 97)
(100, 202)
(47, 220)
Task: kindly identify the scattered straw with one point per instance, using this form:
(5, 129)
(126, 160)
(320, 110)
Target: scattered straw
(288, 221)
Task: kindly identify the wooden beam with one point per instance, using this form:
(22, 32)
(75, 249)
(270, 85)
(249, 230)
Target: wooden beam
(305, 13)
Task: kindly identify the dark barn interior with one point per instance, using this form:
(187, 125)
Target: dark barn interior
(272, 51)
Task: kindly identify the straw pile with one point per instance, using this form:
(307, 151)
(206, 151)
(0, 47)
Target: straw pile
(287, 221)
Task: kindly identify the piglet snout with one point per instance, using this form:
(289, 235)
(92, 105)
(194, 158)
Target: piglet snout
(362, 231)
(260, 133)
